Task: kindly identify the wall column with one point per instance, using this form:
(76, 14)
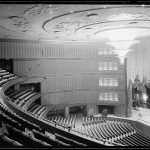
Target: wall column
(66, 111)
(120, 111)
(91, 110)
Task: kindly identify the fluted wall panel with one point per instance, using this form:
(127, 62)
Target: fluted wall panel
(77, 97)
(71, 83)
(57, 66)
(38, 50)
(138, 60)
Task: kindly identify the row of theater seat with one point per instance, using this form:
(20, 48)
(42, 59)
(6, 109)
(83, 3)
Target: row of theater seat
(114, 131)
(136, 139)
(16, 133)
(22, 97)
(38, 109)
(6, 76)
(86, 122)
(91, 120)
(38, 138)
(25, 123)
(108, 130)
(24, 138)
(69, 121)
(51, 140)
(7, 141)
(11, 123)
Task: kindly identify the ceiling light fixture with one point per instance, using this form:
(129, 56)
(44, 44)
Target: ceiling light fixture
(122, 48)
(123, 38)
(122, 54)
(125, 44)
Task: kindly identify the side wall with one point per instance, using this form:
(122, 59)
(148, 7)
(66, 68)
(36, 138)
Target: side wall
(71, 70)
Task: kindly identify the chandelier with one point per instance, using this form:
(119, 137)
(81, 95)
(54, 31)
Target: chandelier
(122, 48)
(125, 34)
(122, 39)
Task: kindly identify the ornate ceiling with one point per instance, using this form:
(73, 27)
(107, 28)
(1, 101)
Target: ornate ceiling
(69, 22)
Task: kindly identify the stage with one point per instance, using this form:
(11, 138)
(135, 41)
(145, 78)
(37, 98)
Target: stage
(142, 114)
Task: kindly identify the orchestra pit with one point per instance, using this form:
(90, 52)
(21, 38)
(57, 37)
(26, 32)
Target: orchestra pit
(74, 76)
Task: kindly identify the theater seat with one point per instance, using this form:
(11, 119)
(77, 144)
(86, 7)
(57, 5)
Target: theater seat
(15, 143)
(7, 140)
(41, 136)
(46, 144)
(69, 141)
(62, 144)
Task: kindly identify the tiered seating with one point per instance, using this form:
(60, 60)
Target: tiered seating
(50, 139)
(8, 76)
(24, 138)
(19, 94)
(91, 120)
(72, 120)
(2, 81)
(43, 112)
(16, 125)
(37, 109)
(69, 121)
(6, 141)
(22, 103)
(134, 139)
(21, 98)
(9, 92)
(95, 127)
(70, 141)
(107, 130)
(9, 120)
(24, 123)
(31, 109)
(5, 76)
(10, 123)
(115, 131)
(18, 137)
(2, 71)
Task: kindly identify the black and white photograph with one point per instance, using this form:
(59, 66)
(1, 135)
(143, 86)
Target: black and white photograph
(74, 76)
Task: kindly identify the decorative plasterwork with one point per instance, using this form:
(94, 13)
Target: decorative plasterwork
(21, 23)
(39, 10)
(70, 22)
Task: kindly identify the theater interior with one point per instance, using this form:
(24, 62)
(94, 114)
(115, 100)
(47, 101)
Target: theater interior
(74, 76)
